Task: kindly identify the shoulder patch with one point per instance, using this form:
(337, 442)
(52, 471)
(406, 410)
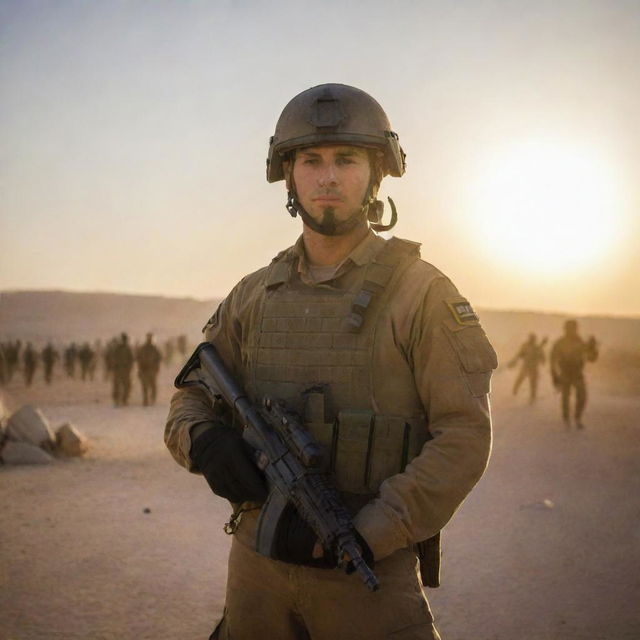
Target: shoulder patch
(463, 312)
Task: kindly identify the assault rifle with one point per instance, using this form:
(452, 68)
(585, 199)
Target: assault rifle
(290, 459)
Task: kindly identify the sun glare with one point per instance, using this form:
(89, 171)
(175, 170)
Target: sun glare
(546, 206)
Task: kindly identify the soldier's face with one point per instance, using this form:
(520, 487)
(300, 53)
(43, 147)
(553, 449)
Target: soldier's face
(331, 181)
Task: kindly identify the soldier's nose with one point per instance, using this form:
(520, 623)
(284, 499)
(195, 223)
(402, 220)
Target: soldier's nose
(327, 177)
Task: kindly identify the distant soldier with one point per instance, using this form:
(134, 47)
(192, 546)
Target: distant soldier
(148, 357)
(49, 358)
(168, 351)
(182, 345)
(97, 354)
(70, 357)
(85, 357)
(122, 361)
(568, 357)
(107, 355)
(3, 366)
(531, 355)
(29, 363)
(12, 355)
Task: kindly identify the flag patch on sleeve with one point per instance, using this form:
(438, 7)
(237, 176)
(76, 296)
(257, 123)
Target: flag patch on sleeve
(463, 312)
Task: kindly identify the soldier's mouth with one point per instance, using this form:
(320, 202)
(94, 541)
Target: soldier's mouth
(327, 199)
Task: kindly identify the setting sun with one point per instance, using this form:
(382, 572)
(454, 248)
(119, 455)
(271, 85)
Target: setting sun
(546, 205)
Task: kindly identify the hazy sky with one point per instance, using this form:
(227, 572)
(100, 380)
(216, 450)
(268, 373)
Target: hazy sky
(134, 137)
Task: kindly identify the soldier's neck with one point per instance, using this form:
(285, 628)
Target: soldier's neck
(324, 250)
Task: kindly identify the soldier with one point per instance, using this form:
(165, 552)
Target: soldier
(86, 356)
(49, 358)
(97, 355)
(532, 355)
(148, 357)
(12, 353)
(70, 357)
(3, 365)
(29, 363)
(108, 358)
(181, 343)
(122, 363)
(385, 360)
(168, 350)
(568, 356)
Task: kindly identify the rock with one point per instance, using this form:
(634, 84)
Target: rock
(70, 442)
(30, 425)
(23, 453)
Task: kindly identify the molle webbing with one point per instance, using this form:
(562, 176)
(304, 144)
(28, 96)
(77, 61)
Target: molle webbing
(304, 335)
(377, 276)
(303, 348)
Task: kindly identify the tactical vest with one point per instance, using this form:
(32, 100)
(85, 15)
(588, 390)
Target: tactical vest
(312, 346)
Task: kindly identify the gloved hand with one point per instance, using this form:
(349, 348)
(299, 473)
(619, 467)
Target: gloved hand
(295, 541)
(226, 461)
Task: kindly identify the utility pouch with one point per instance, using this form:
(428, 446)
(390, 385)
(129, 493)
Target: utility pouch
(369, 448)
(353, 448)
(324, 433)
(429, 555)
(389, 450)
(475, 354)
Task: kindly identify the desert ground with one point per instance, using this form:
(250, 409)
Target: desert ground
(125, 544)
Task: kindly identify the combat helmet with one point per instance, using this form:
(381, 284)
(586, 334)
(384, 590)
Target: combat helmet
(337, 114)
(334, 113)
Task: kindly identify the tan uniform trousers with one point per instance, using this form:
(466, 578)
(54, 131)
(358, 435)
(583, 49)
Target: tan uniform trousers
(579, 385)
(272, 600)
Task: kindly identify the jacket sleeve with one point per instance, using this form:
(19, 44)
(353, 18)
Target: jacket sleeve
(452, 362)
(189, 407)
(192, 406)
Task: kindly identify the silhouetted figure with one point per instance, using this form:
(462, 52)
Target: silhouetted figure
(97, 355)
(107, 355)
(70, 357)
(3, 366)
(29, 363)
(181, 342)
(148, 357)
(12, 357)
(169, 348)
(531, 355)
(122, 360)
(568, 357)
(49, 358)
(85, 358)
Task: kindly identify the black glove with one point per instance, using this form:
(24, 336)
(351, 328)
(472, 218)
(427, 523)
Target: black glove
(295, 541)
(226, 461)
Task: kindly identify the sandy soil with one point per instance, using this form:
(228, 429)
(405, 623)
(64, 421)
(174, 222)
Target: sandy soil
(82, 560)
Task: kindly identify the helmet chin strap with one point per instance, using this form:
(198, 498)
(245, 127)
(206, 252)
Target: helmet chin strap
(328, 227)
